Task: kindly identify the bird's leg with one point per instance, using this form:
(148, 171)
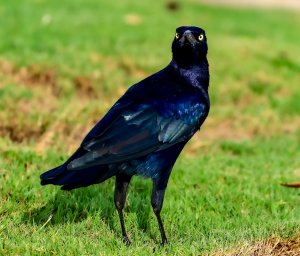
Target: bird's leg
(157, 199)
(122, 182)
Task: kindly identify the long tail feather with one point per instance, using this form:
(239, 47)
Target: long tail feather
(50, 176)
(70, 179)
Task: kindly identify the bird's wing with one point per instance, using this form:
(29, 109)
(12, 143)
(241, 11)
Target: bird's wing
(138, 132)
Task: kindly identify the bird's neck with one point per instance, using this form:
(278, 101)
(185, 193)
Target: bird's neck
(197, 74)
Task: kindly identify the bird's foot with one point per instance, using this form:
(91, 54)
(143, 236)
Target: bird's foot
(126, 241)
(164, 241)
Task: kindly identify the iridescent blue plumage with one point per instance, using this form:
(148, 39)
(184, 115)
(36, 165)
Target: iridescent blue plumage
(146, 129)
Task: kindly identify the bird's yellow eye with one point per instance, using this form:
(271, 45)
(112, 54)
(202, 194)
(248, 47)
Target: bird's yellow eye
(176, 35)
(201, 37)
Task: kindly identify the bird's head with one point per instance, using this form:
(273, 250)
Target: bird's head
(189, 46)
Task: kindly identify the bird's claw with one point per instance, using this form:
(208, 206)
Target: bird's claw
(126, 241)
(164, 242)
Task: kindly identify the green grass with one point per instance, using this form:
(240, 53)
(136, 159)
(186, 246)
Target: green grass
(224, 190)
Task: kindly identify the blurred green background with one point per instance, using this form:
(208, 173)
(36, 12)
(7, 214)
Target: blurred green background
(64, 63)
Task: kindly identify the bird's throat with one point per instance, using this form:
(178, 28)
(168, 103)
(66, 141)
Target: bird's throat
(196, 75)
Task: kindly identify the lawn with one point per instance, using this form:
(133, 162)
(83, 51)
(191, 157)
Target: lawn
(64, 63)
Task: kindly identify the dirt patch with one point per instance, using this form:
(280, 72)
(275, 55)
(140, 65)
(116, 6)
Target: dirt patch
(84, 86)
(33, 75)
(19, 134)
(216, 129)
(30, 75)
(38, 76)
(270, 247)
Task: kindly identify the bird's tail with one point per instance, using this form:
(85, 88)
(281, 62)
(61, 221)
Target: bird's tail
(53, 176)
(70, 179)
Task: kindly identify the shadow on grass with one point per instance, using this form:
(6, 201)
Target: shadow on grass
(98, 200)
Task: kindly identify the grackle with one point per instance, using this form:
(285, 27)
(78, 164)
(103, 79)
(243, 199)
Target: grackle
(146, 129)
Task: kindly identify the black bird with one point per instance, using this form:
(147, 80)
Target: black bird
(146, 129)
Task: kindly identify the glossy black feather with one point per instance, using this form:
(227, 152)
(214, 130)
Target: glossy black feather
(146, 129)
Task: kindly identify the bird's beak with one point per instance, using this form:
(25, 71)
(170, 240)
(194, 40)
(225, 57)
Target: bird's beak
(189, 37)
